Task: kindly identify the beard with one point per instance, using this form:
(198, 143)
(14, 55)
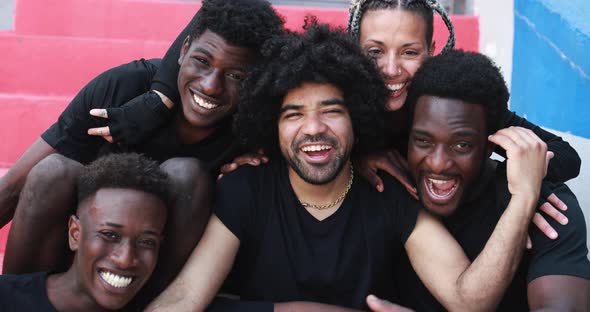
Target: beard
(318, 174)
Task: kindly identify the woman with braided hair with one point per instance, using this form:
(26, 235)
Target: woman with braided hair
(398, 36)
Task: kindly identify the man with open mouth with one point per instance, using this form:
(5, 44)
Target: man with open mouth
(456, 101)
(304, 228)
(115, 234)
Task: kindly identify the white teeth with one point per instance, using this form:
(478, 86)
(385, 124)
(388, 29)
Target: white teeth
(395, 87)
(114, 280)
(201, 102)
(437, 181)
(315, 148)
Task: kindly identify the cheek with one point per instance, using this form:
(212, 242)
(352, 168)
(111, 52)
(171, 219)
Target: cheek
(411, 66)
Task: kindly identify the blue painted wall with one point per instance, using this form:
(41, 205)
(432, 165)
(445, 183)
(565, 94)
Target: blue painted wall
(551, 64)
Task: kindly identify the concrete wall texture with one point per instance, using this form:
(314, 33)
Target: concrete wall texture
(551, 76)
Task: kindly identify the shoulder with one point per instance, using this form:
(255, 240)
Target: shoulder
(24, 292)
(246, 176)
(568, 254)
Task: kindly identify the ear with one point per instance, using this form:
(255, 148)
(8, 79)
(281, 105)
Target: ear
(74, 232)
(185, 45)
(432, 48)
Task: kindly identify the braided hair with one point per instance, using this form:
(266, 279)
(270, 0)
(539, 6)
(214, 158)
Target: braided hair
(424, 8)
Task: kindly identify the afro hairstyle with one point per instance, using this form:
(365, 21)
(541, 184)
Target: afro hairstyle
(467, 76)
(128, 171)
(319, 55)
(244, 23)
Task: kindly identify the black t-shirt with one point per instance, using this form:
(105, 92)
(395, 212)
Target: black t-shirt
(472, 226)
(288, 255)
(25, 292)
(114, 88)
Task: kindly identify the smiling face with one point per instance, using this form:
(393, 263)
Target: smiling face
(396, 40)
(209, 78)
(447, 148)
(116, 240)
(315, 132)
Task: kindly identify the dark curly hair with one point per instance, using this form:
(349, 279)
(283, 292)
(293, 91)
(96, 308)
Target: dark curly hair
(130, 171)
(244, 23)
(318, 55)
(467, 76)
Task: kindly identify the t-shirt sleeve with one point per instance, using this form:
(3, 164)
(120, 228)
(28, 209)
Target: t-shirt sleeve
(405, 209)
(234, 201)
(231, 305)
(568, 254)
(112, 88)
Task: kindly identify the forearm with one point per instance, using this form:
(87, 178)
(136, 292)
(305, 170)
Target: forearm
(483, 283)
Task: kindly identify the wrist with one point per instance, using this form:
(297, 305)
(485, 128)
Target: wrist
(167, 101)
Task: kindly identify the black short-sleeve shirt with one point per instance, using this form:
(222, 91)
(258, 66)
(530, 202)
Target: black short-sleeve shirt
(114, 88)
(288, 255)
(25, 292)
(472, 226)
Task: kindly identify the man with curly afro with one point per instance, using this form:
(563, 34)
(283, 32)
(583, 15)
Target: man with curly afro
(302, 231)
(458, 99)
(212, 60)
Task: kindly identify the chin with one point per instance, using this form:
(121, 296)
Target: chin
(394, 104)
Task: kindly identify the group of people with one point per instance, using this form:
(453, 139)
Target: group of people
(254, 168)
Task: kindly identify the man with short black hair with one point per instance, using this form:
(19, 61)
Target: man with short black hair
(115, 235)
(457, 99)
(224, 42)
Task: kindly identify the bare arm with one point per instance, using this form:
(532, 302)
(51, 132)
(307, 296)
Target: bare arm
(13, 181)
(204, 272)
(309, 306)
(559, 293)
(438, 259)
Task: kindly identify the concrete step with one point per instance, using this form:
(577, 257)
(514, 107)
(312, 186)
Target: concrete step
(23, 118)
(61, 66)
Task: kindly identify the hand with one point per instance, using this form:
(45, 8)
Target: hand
(550, 207)
(380, 305)
(527, 159)
(252, 159)
(134, 121)
(104, 132)
(392, 163)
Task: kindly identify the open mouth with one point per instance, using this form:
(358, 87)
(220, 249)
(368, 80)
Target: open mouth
(317, 151)
(202, 102)
(115, 280)
(441, 190)
(397, 89)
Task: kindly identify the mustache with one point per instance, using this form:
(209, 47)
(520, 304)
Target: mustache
(315, 138)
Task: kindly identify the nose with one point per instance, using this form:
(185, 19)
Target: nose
(313, 124)
(438, 161)
(211, 83)
(390, 66)
(124, 255)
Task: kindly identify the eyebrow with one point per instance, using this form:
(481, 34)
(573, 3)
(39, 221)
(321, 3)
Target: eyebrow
(328, 102)
(207, 53)
(405, 45)
(119, 226)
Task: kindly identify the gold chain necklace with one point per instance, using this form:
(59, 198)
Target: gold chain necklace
(335, 202)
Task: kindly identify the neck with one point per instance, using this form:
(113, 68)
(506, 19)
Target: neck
(321, 194)
(189, 134)
(66, 294)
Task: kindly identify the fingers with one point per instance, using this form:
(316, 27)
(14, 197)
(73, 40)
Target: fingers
(529, 243)
(544, 226)
(551, 211)
(556, 202)
(227, 168)
(380, 305)
(99, 112)
(104, 132)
